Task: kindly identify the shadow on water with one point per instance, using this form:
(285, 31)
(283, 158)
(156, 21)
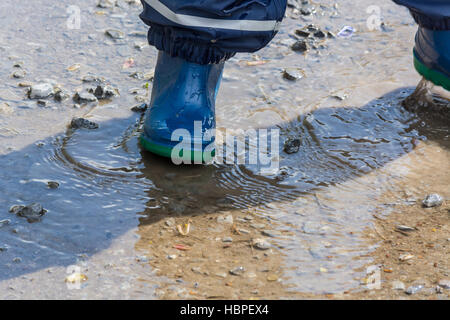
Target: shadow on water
(109, 186)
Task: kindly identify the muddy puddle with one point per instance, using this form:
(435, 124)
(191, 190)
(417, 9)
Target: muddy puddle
(113, 209)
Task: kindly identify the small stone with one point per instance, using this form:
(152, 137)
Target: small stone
(91, 78)
(444, 283)
(170, 222)
(197, 270)
(300, 46)
(76, 277)
(78, 123)
(292, 145)
(432, 200)
(32, 212)
(238, 271)
(404, 228)
(271, 233)
(227, 240)
(405, 257)
(103, 92)
(292, 74)
(115, 34)
(225, 203)
(398, 285)
(244, 231)
(172, 256)
(106, 4)
(42, 102)
(319, 34)
(260, 244)
(53, 184)
(142, 107)
(5, 108)
(61, 96)
(258, 225)
(84, 97)
(142, 259)
(414, 289)
(302, 33)
(17, 260)
(40, 91)
(225, 219)
(19, 74)
(272, 277)
(222, 275)
(4, 222)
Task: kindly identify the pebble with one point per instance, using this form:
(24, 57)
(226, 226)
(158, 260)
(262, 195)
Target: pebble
(91, 78)
(432, 200)
(292, 74)
(291, 145)
(222, 275)
(170, 222)
(272, 277)
(115, 34)
(4, 222)
(444, 283)
(238, 271)
(19, 74)
(414, 289)
(106, 4)
(244, 231)
(142, 107)
(53, 184)
(405, 257)
(42, 102)
(404, 228)
(225, 219)
(271, 233)
(78, 123)
(260, 244)
(5, 108)
(398, 285)
(300, 46)
(172, 256)
(32, 212)
(258, 225)
(103, 92)
(227, 240)
(84, 97)
(40, 91)
(61, 96)
(302, 33)
(319, 34)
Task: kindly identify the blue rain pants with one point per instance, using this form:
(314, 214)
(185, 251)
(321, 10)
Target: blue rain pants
(211, 31)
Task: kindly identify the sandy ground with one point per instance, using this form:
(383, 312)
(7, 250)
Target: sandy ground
(202, 269)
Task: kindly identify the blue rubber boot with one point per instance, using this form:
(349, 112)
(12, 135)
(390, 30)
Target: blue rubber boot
(432, 56)
(182, 107)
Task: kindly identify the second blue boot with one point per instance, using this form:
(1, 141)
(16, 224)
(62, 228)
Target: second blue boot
(182, 107)
(432, 56)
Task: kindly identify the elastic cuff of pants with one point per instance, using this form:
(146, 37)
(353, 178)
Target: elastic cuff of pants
(431, 22)
(164, 39)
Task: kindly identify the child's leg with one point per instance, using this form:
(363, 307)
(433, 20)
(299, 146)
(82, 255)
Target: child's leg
(432, 49)
(195, 38)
